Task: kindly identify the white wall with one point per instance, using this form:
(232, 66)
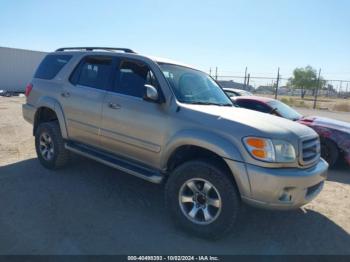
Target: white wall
(17, 67)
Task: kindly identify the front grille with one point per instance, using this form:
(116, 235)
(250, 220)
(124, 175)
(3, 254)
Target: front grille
(310, 151)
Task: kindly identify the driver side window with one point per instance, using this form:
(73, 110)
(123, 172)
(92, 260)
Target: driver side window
(132, 77)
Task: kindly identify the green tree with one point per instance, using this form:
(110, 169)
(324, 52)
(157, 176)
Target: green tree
(305, 78)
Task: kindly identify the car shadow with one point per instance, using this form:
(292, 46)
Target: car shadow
(340, 173)
(88, 208)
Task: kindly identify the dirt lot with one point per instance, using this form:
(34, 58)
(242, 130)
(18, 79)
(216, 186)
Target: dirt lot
(323, 103)
(89, 208)
(342, 116)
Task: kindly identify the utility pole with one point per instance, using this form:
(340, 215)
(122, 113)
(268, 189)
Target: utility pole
(277, 82)
(245, 76)
(216, 73)
(210, 71)
(317, 86)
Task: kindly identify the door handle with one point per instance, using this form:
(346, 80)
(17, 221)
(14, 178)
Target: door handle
(113, 105)
(65, 94)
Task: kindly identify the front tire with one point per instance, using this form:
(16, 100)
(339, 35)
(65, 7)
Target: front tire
(49, 145)
(202, 198)
(329, 152)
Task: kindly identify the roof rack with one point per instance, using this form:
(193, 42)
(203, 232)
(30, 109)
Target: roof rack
(126, 50)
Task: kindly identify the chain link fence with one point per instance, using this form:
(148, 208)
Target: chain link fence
(267, 85)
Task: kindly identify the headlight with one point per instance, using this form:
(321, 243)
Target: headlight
(270, 150)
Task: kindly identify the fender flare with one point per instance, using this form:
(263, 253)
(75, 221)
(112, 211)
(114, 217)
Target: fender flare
(204, 139)
(55, 106)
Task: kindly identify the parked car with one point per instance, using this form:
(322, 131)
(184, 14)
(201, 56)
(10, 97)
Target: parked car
(5, 93)
(170, 123)
(232, 92)
(334, 134)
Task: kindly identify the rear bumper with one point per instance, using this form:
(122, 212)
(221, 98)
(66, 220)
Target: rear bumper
(28, 112)
(279, 188)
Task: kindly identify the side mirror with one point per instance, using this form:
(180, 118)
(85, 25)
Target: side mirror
(151, 94)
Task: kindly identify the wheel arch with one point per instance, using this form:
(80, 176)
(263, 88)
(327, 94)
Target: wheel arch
(188, 148)
(45, 105)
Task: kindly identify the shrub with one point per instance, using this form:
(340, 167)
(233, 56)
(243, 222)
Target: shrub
(345, 107)
(286, 101)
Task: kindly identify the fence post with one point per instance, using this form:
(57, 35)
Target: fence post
(216, 73)
(248, 81)
(340, 88)
(277, 82)
(317, 86)
(245, 77)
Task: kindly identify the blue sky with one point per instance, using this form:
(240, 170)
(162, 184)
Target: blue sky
(260, 34)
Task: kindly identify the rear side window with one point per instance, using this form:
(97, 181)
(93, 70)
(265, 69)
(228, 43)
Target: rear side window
(51, 65)
(93, 72)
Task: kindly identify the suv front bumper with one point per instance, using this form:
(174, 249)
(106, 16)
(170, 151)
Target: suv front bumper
(286, 188)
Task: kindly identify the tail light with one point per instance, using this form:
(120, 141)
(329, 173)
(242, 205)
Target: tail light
(29, 88)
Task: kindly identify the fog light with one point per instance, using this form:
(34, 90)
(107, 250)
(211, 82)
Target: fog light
(286, 196)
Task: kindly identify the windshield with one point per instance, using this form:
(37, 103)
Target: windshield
(194, 87)
(284, 110)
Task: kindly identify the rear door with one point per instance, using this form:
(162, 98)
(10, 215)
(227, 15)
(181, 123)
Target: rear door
(82, 98)
(131, 126)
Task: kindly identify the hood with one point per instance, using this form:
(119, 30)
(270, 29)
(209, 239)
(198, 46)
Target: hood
(326, 122)
(246, 122)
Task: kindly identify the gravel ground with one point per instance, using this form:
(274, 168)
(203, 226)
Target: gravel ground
(88, 208)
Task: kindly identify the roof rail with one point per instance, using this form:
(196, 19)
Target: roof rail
(126, 50)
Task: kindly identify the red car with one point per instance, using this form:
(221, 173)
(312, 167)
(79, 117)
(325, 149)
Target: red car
(334, 134)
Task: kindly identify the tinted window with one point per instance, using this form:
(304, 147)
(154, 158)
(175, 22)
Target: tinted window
(132, 78)
(93, 72)
(253, 105)
(51, 65)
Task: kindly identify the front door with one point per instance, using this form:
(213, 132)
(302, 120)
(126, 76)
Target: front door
(131, 126)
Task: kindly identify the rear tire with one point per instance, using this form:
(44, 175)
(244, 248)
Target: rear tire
(213, 216)
(329, 152)
(49, 145)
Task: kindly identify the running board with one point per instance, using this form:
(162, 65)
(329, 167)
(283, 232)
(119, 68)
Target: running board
(114, 161)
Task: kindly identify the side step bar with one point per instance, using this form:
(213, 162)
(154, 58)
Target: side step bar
(114, 161)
